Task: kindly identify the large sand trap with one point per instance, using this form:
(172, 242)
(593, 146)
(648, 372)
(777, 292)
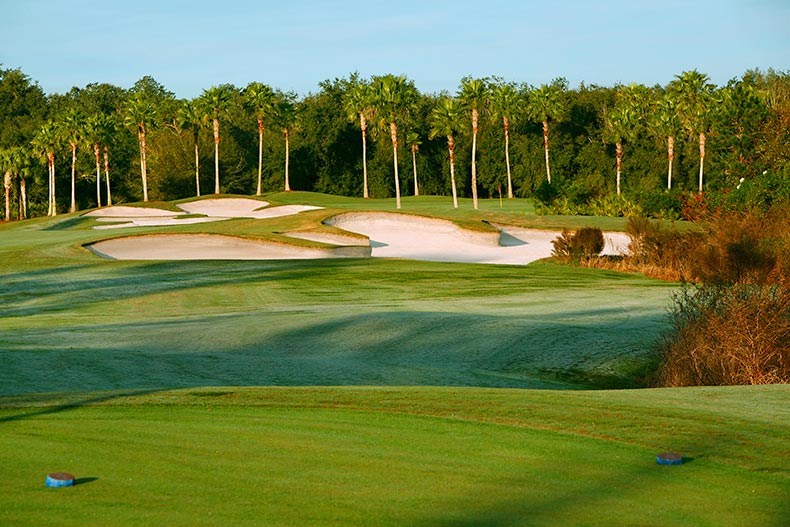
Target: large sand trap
(402, 236)
(211, 247)
(219, 209)
(391, 236)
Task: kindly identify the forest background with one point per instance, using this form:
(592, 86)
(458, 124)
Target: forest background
(609, 146)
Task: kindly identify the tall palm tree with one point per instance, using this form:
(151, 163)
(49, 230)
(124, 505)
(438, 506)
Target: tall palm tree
(624, 121)
(506, 104)
(694, 97)
(14, 162)
(46, 141)
(393, 96)
(140, 112)
(664, 123)
(216, 101)
(286, 116)
(359, 105)
(191, 117)
(474, 95)
(96, 134)
(260, 98)
(446, 119)
(545, 104)
(72, 129)
(6, 167)
(413, 139)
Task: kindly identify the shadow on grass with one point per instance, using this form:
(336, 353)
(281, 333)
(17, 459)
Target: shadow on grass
(56, 408)
(85, 481)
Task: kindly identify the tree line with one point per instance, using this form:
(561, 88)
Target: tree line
(660, 150)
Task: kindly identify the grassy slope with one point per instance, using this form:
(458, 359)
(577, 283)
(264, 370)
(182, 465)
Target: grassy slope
(323, 456)
(399, 456)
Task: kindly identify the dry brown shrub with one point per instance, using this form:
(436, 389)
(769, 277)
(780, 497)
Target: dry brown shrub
(734, 327)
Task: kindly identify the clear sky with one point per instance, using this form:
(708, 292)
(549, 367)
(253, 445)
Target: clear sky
(190, 45)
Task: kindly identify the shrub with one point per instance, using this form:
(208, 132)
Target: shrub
(733, 327)
(725, 335)
(585, 244)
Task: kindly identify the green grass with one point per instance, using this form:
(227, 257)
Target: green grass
(358, 392)
(399, 456)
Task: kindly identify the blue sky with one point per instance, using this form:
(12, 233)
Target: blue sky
(295, 44)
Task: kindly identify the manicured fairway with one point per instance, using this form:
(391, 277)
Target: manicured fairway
(358, 391)
(399, 456)
(108, 325)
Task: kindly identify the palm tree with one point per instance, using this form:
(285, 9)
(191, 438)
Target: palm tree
(286, 115)
(474, 95)
(446, 120)
(191, 117)
(544, 104)
(216, 101)
(5, 166)
(664, 122)
(506, 103)
(45, 143)
(14, 162)
(139, 112)
(393, 95)
(96, 133)
(359, 104)
(624, 121)
(72, 129)
(413, 139)
(694, 96)
(261, 99)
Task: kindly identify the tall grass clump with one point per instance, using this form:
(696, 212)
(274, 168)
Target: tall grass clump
(733, 325)
(584, 244)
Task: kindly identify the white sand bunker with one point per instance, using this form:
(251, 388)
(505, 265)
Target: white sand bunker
(402, 236)
(212, 247)
(212, 210)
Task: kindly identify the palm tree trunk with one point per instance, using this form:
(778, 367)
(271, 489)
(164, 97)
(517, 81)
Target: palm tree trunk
(107, 174)
(53, 206)
(216, 156)
(451, 148)
(507, 157)
(414, 166)
(73, 206)
(619, 147)
(197, 162)
(364, 127)
(546, 149)
(394, 137)
(98, 173)
(143, 167)
(7, 189)
(701, 157)
(671, 156)
(474, 157)
(22, 198)
(287, 159)
(260, 155)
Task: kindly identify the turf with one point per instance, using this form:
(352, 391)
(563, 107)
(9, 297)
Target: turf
(398, 456)
(359, 392)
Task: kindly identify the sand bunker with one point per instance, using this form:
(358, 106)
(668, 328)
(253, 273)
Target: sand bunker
(212, 247)
(402, 236)
(220, 209)
(391, 235)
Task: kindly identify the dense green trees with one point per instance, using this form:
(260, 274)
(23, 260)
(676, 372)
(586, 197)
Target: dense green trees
(732, 142)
